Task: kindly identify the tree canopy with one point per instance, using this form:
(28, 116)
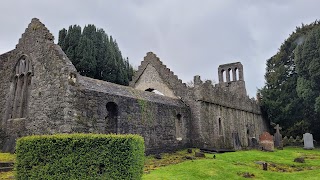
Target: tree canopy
(291, 95)
(95, 54)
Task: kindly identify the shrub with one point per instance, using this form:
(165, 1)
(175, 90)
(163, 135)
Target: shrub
(80, 156)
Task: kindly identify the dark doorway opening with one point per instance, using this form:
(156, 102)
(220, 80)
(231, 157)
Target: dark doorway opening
(112, 118)
(178, 125)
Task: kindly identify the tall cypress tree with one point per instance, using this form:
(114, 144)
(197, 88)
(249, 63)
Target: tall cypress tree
(95, 54)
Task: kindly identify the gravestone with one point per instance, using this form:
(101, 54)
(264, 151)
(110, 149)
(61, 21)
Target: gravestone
(308, 141)
(266, 142)
(278, 137)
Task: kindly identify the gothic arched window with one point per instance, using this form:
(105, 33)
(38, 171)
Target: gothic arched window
(19, 89)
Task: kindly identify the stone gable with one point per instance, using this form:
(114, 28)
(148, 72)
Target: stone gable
(42, 93)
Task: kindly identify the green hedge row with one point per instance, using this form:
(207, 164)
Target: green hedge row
(80, 156)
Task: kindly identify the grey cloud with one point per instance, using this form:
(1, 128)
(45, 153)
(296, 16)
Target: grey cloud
(190, 37)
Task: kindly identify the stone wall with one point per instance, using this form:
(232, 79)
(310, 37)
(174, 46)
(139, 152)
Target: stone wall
(161, 120)
(42, 93)
(224, 116)
(6, 65)
(46, 100)
(48, 103)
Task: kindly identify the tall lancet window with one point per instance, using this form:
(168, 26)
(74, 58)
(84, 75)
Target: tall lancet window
(19, 89)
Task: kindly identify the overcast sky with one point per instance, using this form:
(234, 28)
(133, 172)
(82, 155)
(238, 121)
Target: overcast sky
(192, 37)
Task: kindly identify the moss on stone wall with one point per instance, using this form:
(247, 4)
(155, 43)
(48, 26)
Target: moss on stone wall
(147, 114)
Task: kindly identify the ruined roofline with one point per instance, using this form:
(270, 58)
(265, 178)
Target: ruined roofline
(6, 54)
(213, 93)
(100, 86)
(38, 30)
(168, 76)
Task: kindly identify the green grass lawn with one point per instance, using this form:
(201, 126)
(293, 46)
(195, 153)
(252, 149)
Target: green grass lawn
(6, 157)
(226, 166)
(235, 165)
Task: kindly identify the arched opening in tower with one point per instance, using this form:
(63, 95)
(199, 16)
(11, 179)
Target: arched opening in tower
(229, 75)
(236, 74)
(224, 76)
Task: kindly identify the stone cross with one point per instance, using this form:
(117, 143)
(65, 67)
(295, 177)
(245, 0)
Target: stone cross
(278, 137)
(277, 128)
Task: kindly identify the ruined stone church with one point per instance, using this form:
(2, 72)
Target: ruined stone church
(42, 93)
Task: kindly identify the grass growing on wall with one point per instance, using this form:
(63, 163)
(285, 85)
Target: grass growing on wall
(147, 115)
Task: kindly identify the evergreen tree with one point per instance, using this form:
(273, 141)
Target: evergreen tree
(308, 83)
(289, 97)
(95, 54)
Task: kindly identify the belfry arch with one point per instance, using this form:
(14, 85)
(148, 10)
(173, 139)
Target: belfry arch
(230, 72)
(17, 102)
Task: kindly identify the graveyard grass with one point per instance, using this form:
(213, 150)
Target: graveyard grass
(235, 165)
(227, 166)
(6, 157)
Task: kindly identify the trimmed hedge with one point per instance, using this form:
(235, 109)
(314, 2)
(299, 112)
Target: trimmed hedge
(80, 156)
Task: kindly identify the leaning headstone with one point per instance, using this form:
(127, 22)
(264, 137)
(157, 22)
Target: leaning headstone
(278, 137)
(308, 141)
(266, 142)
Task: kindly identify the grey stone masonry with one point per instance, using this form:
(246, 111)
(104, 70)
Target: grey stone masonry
(42, 93)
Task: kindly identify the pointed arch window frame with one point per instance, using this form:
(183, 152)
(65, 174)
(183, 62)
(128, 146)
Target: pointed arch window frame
(17, 104)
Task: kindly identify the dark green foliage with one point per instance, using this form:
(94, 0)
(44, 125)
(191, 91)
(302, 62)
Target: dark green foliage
(80, 156)
(288, 97)
(95, 54)
(298, 128)
(308, 84)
